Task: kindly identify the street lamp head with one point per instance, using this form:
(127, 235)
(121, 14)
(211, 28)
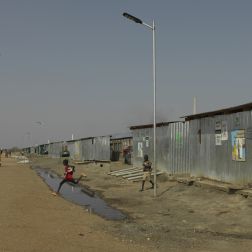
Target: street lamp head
(135, 19)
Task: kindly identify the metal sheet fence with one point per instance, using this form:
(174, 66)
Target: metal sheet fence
(172, 153)
(71, 148)
(102, 148)
(54, 149)
(77, 150)
(87, 146)
(212, 157)
(96, 148)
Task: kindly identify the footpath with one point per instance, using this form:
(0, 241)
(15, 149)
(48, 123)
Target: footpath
(31, 219)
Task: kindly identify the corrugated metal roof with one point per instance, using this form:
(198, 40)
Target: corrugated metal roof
(121, 135)
(84, 138)
(240, 108)
(160, 124)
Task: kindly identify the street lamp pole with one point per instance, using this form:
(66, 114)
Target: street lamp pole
(153, 28)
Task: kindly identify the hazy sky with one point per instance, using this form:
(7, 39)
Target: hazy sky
(81, 68)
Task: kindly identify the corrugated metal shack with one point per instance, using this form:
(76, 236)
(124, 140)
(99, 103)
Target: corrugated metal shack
(75, 149)
(55, 149)
(85, 149)
(42, 149)
(27, 150)
(121, 146)
(221, 144)
(172, 152)
(71, 148)
(95, 148)
(32, 149)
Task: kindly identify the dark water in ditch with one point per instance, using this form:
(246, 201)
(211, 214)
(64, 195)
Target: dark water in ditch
(80, 196)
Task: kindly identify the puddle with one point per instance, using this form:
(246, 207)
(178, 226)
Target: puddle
(80, 196)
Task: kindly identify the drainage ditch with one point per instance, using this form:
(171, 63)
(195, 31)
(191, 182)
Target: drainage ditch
(80, 195)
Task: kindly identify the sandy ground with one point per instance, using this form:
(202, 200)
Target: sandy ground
(180, 218)
(31, 219)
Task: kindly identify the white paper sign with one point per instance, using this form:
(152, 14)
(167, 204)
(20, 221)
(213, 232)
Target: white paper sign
(217, 139)
(140, 149)
(224, 131)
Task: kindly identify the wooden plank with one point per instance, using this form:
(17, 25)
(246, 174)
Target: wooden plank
(140, 176)
(125, 172)
(129, 172)
(135, 177)
(122, 170)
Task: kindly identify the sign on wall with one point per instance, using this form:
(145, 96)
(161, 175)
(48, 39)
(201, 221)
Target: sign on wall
(218, 133)
(224, 131)
(146, 139)
(217, 139)
(221, 132)
(238, 145)
(140, 149)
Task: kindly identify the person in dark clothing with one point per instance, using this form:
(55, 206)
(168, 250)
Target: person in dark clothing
(146, 172)
(69, 170)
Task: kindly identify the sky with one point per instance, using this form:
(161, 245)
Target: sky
(78, 67)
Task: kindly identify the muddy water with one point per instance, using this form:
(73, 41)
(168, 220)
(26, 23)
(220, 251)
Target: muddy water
(80, 195)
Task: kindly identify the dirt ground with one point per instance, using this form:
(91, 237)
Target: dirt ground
(180, 218)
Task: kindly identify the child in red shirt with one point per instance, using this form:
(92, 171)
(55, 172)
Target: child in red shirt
(69, 170)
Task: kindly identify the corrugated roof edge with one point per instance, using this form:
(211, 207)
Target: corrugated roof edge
(125, 135)
(240, 108)
(160, 124)
(85, 138)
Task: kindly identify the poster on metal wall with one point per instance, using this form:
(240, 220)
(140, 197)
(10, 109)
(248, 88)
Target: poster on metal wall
(140, 149)
(217, 139)
(238, 145)
(218, 126)
(218, 133)
(224, 131)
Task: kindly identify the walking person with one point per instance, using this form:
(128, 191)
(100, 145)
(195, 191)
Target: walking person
(146, 172)
(69, 170)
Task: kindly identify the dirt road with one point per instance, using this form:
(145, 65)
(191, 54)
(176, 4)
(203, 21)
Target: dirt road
(180, 219)
(31, 219)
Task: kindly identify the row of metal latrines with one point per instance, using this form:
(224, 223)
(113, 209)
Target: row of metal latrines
(92, 148)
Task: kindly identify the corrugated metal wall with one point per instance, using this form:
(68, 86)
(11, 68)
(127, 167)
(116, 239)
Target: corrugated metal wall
(102, 148)
(172, 152)
(71, 148)
(215, 161)
(87, 149)
(118, 146)
(96, 148)
(77, 150)
(54, 149)
(178, 151)
(42, 148)
(32, 150)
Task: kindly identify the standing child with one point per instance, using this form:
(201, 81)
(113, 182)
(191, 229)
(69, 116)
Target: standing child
(69, 170)
(146, 172)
